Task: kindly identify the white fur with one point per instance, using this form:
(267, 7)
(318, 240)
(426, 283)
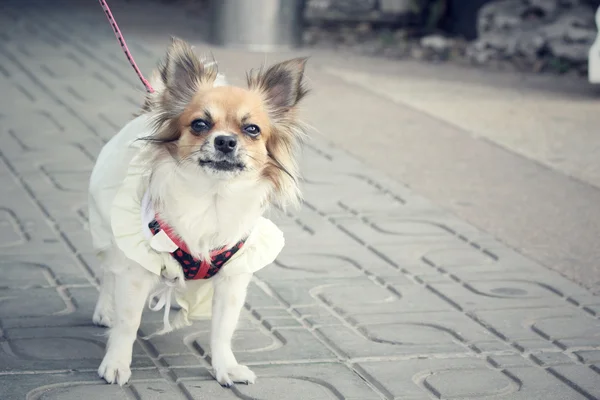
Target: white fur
(207, 211)
(131, 288)
(230, 293)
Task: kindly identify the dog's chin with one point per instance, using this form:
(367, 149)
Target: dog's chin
(222, 169)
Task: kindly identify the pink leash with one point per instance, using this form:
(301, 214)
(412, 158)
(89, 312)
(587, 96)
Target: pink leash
(121, 40)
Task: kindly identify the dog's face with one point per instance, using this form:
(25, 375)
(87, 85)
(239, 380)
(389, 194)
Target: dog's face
(225, 130)
(228, 132)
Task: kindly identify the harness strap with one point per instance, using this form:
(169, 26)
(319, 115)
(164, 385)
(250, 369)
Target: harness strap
(162, 297)
(194, 268)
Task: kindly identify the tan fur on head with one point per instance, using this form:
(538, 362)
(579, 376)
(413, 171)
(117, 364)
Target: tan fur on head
(229, 108)
(185, 92)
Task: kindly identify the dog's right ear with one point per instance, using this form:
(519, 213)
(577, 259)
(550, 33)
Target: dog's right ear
(176, 81)
(182, 73)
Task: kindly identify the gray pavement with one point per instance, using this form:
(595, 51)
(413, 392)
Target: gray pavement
(379, 293)
(515, 155)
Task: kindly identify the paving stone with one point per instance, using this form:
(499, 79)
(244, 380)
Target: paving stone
(60, 129)
(334, 193)
(463, 378)
(508, 360)
(341, 295)
(379, 293)
(392, 340)
(550, 282)
(311, 230)
(74, 385)
(588, 356)
(39, 302)
(593, 309)
(208, 389)
(319, 316)
(537, 328)
(493, 346)
(184, 361)
(498, 295)
(62, 348)
(437, 254)
(322, 381)
(259, 346)
(549, 359)
(291, 381)
(433, 327)
(533, 345)
(588, 302)
(257, 298)
(581, 377)
(577, 342)
(35, 270)
(181, 341)
(333, 262)
(276, 318)
(74, 232)
(200, 384)
(389, 230)
(91, 263)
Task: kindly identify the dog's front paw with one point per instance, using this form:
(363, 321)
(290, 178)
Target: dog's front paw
(114, 370)
(236, 374)
(101, 318)
(242, 374)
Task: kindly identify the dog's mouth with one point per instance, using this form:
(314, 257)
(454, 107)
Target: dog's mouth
(222, 165)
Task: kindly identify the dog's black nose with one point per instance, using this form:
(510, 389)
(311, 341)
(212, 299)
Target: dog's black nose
(225, 144)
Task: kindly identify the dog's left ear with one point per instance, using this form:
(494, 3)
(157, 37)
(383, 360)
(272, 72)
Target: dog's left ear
(282, 84)
(282, 87)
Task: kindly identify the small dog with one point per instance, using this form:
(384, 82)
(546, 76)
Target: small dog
(182, 187)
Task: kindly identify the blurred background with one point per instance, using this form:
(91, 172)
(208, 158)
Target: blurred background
(451, 224)
(514, 35)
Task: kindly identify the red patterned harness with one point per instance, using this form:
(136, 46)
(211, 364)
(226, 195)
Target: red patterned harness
(194, 268)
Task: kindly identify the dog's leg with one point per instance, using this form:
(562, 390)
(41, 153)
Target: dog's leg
(229, 296)
(104, 311)
(131, 291)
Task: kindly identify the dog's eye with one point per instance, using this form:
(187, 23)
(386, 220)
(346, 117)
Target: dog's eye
(200, 125)
(252, 130)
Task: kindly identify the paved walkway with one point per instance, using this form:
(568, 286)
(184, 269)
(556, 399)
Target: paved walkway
(379, 294)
